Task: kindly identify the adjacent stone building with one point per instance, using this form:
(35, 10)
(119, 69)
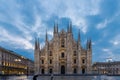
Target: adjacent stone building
(63, 54)
(110, 68)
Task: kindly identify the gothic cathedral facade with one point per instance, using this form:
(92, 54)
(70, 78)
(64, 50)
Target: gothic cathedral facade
(62, 54)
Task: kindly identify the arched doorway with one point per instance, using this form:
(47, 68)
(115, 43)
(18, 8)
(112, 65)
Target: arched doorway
(74, 70)
(62, 69)
(50, 71)
(83, 70)
(42, 71)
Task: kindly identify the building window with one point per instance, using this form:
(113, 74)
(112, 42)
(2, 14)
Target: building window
(74, 53)
(50, 61)
(42, 61)
(83, 60)
(74, 70)
(62, 43)
(62, 55)
(74, 61)
(50, 53)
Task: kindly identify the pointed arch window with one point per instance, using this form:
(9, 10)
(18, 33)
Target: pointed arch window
(50, 61)
(74, 61)
(42, 61)
(83, 61)
(62, 55)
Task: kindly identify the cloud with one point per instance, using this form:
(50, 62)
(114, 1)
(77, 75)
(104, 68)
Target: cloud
(106, 50)
(116, 40)
(107, 21)
(14, 40)
(111, 51)
(75, 10)
(103, 24)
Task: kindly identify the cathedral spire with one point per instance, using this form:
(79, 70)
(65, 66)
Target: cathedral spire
(70, 24)
(78, 42)
(46, 37)
(89, 44)
(79, 36)
(69, 28)
(38, 43)
(35, 43)
(56, 27)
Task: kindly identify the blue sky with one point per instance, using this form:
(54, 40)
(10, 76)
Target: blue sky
(22, 20)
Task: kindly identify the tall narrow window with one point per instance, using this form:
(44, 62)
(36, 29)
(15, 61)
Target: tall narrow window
(83, 60)
(62, 55)
(50, 61)
(42, 61)
(74, 61)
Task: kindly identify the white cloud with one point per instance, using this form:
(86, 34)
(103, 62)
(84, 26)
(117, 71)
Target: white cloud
(76, 10)
(116, 40)
(104, 23)
(14, 40)
(106, 50)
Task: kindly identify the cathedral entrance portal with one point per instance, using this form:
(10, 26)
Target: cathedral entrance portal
(83, 70)
(62, 69)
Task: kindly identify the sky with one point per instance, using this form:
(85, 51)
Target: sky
(23, 20)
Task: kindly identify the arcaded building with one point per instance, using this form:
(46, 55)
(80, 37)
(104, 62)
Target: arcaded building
(63, 54)
(13, 64)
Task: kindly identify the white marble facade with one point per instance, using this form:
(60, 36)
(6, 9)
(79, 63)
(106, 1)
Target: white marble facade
(63, 54)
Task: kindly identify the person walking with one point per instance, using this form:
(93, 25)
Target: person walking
(51, 77)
